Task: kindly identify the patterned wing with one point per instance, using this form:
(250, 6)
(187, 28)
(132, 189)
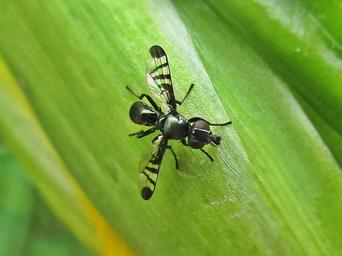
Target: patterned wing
(149, 167)
(159, 77)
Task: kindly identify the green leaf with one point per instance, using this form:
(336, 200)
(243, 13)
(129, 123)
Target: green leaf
(48, 172)
(301, 45)
(27, 227)
(15, 204)
(274, 188)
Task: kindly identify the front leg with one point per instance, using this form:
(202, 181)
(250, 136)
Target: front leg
(194, 119)
(205, 152)
(141, 134)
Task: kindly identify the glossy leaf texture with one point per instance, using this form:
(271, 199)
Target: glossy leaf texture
(275, 185)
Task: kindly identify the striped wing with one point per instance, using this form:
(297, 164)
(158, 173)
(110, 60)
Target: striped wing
(149, 167)
(159, 77)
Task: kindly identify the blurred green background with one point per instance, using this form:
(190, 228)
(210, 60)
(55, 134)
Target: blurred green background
(27, 225)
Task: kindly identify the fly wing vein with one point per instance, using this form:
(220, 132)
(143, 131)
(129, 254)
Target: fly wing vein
(149, 167)
(160, 76)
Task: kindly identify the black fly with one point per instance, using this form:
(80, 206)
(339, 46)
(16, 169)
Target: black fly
(194, 132)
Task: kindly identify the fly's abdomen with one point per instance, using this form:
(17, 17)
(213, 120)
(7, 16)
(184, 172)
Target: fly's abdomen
(140, 113)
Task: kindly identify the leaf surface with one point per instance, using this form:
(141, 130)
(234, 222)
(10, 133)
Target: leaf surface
(274, 188)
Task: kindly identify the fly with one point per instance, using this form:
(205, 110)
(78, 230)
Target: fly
(194, 132)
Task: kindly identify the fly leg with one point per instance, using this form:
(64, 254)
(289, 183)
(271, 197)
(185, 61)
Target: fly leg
(207, 154)
(148, 97)
(186, 95)
(221, 124)
(141, 134)
(174, 155)
(194, 119)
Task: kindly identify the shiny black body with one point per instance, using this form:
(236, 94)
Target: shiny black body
(194, 132)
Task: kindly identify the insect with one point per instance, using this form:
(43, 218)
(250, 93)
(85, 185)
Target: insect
(164, 118)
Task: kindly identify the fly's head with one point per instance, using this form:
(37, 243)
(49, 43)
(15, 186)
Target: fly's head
(140, 113)
(200, 135)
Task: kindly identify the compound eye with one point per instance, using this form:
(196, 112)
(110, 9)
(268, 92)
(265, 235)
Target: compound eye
(194, 143)
(201, 124)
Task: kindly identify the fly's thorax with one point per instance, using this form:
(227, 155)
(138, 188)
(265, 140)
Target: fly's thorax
(140, 113)
(175, 126)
